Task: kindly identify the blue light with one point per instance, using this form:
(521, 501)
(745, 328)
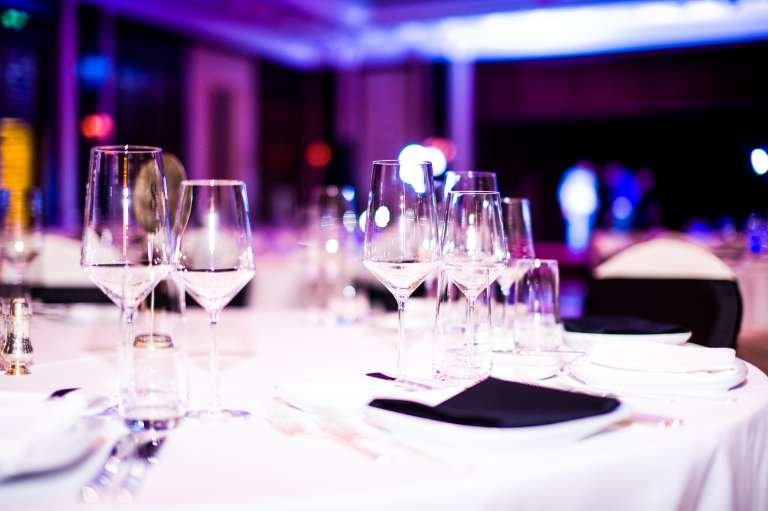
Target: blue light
(578, 192)
(94, 69)
(622, 208)
(348, 193)
(579, 202)
(759, 160)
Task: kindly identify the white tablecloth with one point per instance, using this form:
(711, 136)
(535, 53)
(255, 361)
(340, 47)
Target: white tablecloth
(716, 461)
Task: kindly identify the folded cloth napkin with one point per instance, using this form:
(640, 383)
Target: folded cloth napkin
(654, 357)
(503, 404)
(620, 325)
(29, 419)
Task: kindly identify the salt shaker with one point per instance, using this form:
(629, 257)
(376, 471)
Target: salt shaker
(17, 346)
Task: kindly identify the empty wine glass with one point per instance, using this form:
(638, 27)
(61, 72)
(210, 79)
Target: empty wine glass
(516, 214)
(401, 245)
(474, 248)
(464, 181)
(22, 231)
(214, 259)
(126, 241)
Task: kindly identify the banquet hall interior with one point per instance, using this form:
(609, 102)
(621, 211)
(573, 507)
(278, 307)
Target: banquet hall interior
(633, 131)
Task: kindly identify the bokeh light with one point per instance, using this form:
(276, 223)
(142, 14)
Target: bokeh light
(97, 126)
(417, 153)
(759, 160)
(318, 154)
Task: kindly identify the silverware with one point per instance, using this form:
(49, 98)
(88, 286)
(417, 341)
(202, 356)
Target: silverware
(56, 394)
(143, 457)
(331, 427)
(101, 485)
(339, 428)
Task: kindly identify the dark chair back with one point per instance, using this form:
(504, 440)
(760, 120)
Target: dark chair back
(711, 309)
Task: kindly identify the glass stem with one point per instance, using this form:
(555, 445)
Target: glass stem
(215, 403)
(125, 355)
(471, 324)
(505, 307)
(401, 358)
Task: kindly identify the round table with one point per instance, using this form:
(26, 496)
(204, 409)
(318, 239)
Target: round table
(716, 460)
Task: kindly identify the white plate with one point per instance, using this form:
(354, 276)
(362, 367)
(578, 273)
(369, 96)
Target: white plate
(471, 437)
(584, 341)
(693, 382)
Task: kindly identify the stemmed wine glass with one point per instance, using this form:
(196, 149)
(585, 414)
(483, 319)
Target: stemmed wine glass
(401, 244)
(214, 259)
(462, 181)
(516, 215)
(125, 247)
(474, 247)
(22, 231)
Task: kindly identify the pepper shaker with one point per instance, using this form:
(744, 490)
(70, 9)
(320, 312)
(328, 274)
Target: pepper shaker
(17, 347)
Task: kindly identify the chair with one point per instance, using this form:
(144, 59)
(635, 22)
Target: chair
(670, 281)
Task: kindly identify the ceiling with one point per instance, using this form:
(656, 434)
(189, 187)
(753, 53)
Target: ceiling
(312, 33)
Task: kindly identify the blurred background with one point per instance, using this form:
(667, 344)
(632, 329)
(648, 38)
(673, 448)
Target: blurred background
(617, 119)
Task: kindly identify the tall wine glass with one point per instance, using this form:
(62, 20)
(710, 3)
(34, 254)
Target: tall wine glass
(21, 240)
(401, 244)
(516, 214)
(464, 181)
(214, 259)
(125, 247)
(474, 247)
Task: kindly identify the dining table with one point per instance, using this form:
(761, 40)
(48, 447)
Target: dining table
(713, 457)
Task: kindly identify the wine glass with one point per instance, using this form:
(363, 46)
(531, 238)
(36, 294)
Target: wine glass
(464, 181)
(125, 247)
(22, 231)
(214, 259)
(474, 247)
(401, 244)
(516, 214)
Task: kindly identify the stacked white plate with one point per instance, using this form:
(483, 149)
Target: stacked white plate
(659, 368)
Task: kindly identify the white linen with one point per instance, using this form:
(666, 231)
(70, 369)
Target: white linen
(585, 341)
(662, 358)
(715, 461)
(37, 433)
(713, 384)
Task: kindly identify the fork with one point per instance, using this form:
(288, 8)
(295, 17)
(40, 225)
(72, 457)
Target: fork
(332, 428)
(143, 457)
(97, 488)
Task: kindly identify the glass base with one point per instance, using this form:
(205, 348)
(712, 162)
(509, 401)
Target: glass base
(224, 415)
(166, 424)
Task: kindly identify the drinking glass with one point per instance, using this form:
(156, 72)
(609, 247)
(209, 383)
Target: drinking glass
(22, 231)
(474, 249)
(452, 363)
(516, 214)
(214, 259)
(401, 244)
(125, 247)
(537, 324)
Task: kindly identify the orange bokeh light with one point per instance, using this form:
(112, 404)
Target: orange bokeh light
(318, 154)
(97, 126)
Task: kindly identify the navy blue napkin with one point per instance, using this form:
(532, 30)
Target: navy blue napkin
(620, 325)
(497, 403)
